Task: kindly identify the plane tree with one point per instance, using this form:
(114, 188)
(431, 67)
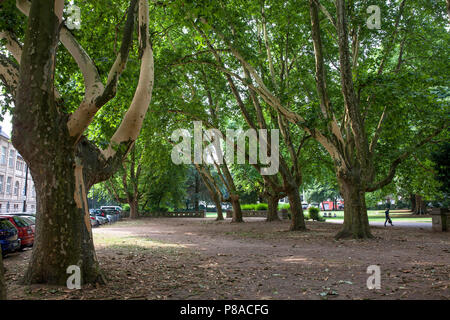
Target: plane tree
(367, 96)
(147, 176)
(252, 115)
(48, 130)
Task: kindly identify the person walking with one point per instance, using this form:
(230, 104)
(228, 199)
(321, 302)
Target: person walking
(388, 218)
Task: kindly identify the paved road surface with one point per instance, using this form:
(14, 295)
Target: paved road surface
(403, 224)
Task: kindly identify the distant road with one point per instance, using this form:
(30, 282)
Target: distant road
(403, 224)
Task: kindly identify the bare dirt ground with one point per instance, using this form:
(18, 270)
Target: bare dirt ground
(188, 258)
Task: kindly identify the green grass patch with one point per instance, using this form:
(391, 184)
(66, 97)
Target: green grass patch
(134, 243)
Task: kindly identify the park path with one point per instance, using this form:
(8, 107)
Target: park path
(401, 224)
(192, 258)
(263, 261)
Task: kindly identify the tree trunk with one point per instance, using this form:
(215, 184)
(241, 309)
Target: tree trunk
(219, 209)
(134, 209)
(196, 195)
(63, 229)
(196, 204)
(237, 212)
(423, 207)
(48, 139)
(420, 207)
(298, 220)
(412, 198)
(356, 221)
(2, 278)
(272, 212)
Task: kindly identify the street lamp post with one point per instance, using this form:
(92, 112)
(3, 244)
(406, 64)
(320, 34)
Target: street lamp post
(26, 188)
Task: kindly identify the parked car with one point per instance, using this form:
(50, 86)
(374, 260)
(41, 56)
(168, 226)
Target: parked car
(28, 216)
(9, 237)
(113, 215)
(26, 233)
(94, 220)
(31, 220)
(101, 216)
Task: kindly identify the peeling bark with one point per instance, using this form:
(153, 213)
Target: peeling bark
(356, 221)
(134, 208)
(64, 167)
(272, 212)
(298, 220)
(219, 209)
(237, 212)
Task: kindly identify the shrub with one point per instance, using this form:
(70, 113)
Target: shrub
(254, 206)
(248, 206)
(401, 205)
(285, 206)
(126, 207)
(261, 206)
(158, 209)
(314, 213)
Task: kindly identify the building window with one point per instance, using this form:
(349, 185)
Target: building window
(3, 157)
(19, 165)
(16, 188)
(16, 208)
(12, 155)
(34, 192)
(1, 183)
(8, 185)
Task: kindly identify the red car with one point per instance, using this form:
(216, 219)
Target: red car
(26, 233)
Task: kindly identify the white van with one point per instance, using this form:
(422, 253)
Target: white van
(111, 208)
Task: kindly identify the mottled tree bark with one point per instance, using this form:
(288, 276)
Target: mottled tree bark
(2, 278)
(196, 192)
(65, 165)
(420, 205)
(63, 230)
(448, 10)
(219, 208)
(214, 191)
(298, 220)
(237, 212)
(134, 208)
(356, 221)
(272, 212)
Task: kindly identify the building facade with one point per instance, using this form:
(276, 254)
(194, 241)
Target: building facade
(17, 192)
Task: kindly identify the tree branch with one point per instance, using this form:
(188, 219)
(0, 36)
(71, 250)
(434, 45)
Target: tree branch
(399, 159)
(9, 74)
(96, 95)
(128, 130)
